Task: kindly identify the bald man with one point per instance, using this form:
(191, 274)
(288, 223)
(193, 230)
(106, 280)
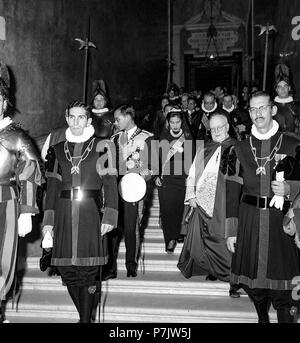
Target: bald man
(204, 249)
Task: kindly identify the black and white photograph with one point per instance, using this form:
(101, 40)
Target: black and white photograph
(149, 165)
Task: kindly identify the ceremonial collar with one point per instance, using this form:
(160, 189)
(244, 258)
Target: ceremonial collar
(100, 111)
(5, 122)
(229, 110)
(209, 111)
(283, 100)
(131, 132)
(267, 135)
(88, 132)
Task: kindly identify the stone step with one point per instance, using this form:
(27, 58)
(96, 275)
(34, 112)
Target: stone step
(147, 283)
(116, 307)
(154, 211)
(153, 232)
(155, 247)
(153, 221)
(147, 262)
(155, 203)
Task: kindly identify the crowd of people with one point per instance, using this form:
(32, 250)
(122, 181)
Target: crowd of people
(227, 172)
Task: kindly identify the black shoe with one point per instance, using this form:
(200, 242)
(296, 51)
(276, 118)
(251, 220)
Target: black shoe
(132, 273)
(180, 239)
(263, 311)
(233, 293)
(45, 260)
(108, 276)
(171, 246)
(210, 277)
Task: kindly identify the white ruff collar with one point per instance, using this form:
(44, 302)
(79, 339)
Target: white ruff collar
(100, 111)
(5, 122)
(209, 111)
(267, 135)
(283, 100)
(88, 132)
(229, 110)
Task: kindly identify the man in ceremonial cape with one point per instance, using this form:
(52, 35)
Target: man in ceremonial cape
(205, 249)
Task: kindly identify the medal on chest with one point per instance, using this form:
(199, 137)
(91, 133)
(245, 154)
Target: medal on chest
(261, 162)
(75, 167)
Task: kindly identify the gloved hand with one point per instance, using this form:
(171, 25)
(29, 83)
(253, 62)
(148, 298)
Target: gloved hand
(47, 241)
(105, 228)
(24, 224)
(278, 200)
(230, 242)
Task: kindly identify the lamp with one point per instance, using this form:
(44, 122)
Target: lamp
(211, 59)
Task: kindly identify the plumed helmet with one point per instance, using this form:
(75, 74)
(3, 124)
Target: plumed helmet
(282, 73)
(99, 87)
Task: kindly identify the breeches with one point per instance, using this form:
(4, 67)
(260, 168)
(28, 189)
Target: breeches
(8, 245)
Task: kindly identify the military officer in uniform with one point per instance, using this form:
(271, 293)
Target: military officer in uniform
(133, 147)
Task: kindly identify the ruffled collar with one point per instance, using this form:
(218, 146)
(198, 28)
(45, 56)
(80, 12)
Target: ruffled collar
(5, 122)
(229, 110)
(100, 111)
(88, 132)
(267, 135)
(283, 100)
(209, 111)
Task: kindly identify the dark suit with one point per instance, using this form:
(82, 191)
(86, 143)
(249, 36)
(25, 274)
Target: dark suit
(130, 212)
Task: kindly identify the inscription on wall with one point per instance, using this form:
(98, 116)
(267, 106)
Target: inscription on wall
(224, 40)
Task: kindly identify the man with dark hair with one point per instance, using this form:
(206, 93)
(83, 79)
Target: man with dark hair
(19, 177)
(238, 118)
(267, 177)
(102, 114)
(288, 110)
(133, 156)
(209, 105)
(73, 206)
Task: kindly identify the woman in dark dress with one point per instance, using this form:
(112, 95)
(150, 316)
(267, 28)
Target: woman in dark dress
(176, 149)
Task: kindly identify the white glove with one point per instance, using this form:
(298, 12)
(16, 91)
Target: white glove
(47, 241)
(230, 242)
(24, 224)
(278, 200)
(105, 228)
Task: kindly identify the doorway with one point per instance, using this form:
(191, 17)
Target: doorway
(227, 73)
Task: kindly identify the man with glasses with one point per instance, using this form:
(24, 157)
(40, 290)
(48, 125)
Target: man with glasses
(205, 250)
(288, 113)
(267, 177)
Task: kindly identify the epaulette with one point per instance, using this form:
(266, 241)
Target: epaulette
(147, 133)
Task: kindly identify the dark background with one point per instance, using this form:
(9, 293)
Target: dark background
(132, 46)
